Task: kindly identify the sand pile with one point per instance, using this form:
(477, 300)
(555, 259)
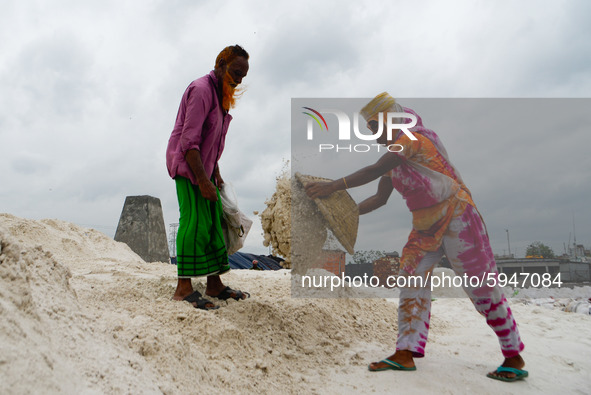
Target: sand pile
(70, 244)
(85, 314)
(48, 342)
(88, 316)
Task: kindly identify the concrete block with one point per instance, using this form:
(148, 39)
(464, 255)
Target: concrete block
(141, 227)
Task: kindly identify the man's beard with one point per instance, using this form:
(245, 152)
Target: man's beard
(229, 93)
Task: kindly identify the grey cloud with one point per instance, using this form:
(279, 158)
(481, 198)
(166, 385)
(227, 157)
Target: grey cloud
(30, 164)
(53, 71)
(74, 75)
(310, 49)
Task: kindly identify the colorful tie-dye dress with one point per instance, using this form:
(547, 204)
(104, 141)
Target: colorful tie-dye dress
(445, 221)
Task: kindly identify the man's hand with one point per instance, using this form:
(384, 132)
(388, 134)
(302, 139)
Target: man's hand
(208, 190)
(320, 189)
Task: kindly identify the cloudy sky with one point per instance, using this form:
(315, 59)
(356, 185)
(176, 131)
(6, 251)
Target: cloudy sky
(90, 91)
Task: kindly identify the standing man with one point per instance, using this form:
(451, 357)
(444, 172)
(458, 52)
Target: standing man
(445, 221)
(194, 149)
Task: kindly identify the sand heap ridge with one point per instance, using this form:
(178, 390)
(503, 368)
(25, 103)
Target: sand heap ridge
(87, 322)
(45, 333)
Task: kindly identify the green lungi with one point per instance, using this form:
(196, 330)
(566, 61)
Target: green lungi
(201, 249)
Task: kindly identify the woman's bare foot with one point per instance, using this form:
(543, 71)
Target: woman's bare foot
(402, 357)
(515, 362)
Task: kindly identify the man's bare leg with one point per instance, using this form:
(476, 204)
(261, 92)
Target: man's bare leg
(184, 288)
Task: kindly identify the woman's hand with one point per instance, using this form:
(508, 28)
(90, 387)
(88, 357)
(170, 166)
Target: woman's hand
(320, 189)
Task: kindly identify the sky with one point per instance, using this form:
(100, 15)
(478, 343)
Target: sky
(90, 93)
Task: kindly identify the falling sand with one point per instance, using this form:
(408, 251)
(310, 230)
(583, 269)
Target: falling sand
(276, 220)
(293, 225)
(297, 227)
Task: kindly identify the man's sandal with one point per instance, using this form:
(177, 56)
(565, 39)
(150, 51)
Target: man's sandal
(199, 302)
(227, 294)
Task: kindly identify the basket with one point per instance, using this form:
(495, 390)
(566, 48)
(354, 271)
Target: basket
(340, 212)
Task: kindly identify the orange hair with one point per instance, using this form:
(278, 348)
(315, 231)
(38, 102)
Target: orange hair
(230, 53)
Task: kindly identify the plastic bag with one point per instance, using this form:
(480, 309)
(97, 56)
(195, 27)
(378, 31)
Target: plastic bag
(237, 223)
(229, 199)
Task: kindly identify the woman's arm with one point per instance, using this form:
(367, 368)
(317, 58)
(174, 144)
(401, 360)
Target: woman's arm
(381, 197)
(361, 177)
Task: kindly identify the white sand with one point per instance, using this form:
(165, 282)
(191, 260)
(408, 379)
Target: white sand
(82, 313)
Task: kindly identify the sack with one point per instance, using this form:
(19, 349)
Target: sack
(237, 223)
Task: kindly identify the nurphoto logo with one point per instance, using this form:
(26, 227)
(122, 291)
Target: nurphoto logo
(393, 121)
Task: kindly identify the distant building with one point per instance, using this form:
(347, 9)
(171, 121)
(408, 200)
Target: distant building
(359, 269)
(333, 261)
(580, 250)
(386, 266)
(570, 271)
(504, 256)
(539, 266)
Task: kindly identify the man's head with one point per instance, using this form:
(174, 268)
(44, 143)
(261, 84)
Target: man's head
(231, 66)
